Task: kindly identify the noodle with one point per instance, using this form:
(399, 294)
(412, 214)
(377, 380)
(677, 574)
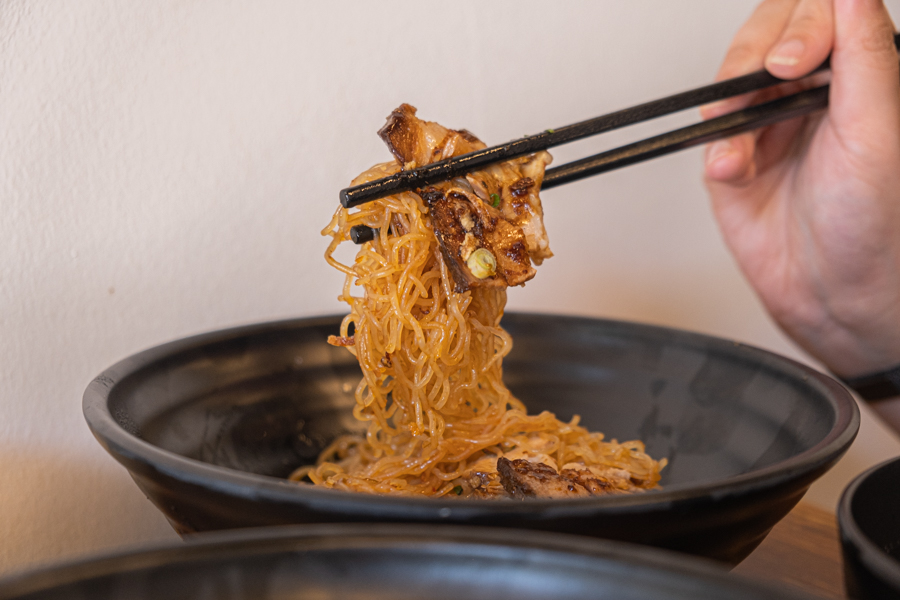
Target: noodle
(432, 394)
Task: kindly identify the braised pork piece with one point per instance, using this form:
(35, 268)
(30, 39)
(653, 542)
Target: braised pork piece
(525, 479)
(522, 479)
(489, 224)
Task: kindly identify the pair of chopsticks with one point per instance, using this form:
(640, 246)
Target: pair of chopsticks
(748, 119)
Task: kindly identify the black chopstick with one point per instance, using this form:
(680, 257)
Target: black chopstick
(755, 117)
(448, 169)
(650, 148)
(748, 119)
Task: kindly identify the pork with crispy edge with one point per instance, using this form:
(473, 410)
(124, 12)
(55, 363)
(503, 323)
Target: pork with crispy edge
(497, 209)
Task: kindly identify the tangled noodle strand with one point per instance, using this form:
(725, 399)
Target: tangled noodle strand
(432, 393)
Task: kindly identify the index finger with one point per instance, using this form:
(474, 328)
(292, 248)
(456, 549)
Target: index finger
(748, 51)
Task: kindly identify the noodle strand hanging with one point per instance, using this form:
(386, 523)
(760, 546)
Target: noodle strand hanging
(426, 298)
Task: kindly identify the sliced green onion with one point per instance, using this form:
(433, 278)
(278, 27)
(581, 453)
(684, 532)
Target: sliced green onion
(482, 263)
(495, 200)
(457, 490)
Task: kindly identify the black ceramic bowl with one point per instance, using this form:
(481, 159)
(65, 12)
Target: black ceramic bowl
(209, 426)
(869, 519)
(390, 562)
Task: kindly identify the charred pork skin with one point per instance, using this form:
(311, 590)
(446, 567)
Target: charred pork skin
(523, 479)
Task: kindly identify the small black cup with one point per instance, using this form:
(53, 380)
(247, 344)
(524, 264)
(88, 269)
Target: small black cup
(869, 520)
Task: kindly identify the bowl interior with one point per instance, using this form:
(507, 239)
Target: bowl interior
(875, 508)
(267, 399)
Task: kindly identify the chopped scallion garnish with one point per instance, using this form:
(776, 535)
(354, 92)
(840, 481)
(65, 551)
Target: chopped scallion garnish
(457, 490)
(495, 200)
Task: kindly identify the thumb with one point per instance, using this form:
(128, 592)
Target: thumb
(865, 85)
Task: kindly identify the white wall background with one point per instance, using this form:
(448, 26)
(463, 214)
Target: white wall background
(165, 169)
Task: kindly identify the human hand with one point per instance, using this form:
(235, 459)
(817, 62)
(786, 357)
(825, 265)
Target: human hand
(810, 208)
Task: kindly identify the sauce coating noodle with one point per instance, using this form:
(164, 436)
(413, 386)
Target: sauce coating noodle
(437, 413)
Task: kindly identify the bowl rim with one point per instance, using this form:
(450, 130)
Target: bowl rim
(265, 540)
(868, 552)
(128, 448)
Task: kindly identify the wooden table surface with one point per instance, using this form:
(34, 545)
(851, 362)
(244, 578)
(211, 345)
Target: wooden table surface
(802, 551)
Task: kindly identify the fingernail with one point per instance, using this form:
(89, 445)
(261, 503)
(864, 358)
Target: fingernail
(717, 151)
(787, 54)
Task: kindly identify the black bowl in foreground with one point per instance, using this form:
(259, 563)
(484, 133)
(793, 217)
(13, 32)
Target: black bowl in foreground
(390, 562)
(209, 426)
(869, 520)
